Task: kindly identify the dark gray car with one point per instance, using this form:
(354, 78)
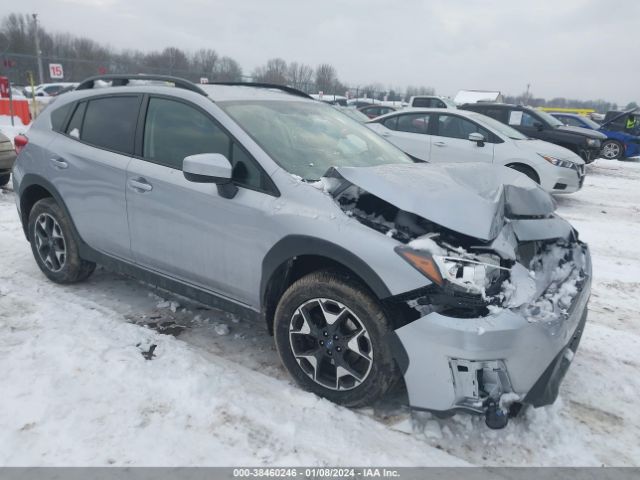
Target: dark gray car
(365, 266)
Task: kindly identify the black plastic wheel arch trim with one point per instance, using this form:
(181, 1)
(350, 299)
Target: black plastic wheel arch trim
(293, 246)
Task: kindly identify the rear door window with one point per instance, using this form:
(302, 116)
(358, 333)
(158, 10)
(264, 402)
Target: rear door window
(110, 123)
(413, 123)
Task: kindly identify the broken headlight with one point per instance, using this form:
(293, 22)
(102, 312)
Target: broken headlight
(469, 273)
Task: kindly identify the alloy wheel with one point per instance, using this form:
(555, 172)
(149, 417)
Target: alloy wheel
(50, 242)
(331, 344)
(611, 150)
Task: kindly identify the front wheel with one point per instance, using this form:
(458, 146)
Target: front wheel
(612, 150)
(330, 333)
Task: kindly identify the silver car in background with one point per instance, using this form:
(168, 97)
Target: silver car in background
(365, 266)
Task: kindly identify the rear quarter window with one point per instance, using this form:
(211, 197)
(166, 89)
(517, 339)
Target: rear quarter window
(59, 116)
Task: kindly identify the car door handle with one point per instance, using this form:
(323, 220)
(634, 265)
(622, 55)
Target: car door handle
(59, 163)
(140, 185)
(385, 134)
(440, 144)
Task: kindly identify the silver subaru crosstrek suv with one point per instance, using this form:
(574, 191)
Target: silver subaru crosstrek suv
(366, 266)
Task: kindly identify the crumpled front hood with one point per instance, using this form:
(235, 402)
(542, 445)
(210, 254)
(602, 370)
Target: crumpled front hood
(471, 199)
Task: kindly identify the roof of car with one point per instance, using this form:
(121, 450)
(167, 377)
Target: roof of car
(219, 91)
(444, 111)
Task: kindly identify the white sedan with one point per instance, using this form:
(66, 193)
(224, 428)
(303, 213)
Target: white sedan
(434, 135)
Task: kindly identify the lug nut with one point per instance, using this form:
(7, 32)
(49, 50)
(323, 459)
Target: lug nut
(321, 342)
(329, 352)
(335, 337)
(325, 334)
(338, 349)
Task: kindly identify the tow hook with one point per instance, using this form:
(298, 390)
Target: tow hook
(495, 418)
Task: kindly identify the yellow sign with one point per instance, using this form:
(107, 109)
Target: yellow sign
(579, 111)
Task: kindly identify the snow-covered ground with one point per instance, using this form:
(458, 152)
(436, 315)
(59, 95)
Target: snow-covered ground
(75, 388)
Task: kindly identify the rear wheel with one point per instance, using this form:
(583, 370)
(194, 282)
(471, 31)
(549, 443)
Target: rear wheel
(4, 179)
(53, 244)
(528, 171)
(612, 150)
(330, 333)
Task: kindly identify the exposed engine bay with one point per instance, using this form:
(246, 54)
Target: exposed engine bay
(531, 261)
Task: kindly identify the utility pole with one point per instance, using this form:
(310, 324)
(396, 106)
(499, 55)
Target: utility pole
(38, 52)
(526, 98)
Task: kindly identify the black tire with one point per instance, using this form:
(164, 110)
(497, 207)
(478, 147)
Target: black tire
(612, 150)
(528, 171)
(69, 268)
(4, 179)
(338, 289)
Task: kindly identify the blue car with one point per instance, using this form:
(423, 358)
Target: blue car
(621, 128)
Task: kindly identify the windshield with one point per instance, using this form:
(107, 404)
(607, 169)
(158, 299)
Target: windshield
(353, 113)
(307, 138)
(550, 119)
(498, 126)
(593, 125)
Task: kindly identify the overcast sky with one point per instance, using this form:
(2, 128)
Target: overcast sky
(584, 49)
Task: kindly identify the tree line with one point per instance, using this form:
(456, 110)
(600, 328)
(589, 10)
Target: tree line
(83, 57)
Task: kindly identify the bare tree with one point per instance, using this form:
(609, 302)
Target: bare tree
(300, 76)
(204, 61)
(326, 78)
(227, 70)
(274, 71)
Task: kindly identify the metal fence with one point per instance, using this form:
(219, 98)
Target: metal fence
(19, 67)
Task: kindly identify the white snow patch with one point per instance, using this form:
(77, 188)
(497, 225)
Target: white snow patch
(426, 243)
(221, 329)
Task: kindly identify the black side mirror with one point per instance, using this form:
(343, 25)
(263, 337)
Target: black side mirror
(539, 126)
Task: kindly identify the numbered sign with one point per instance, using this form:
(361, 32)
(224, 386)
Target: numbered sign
(56, 71)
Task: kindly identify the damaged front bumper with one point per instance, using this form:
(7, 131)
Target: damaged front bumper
(510, 355)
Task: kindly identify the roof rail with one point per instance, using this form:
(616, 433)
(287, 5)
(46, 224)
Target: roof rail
(284, 88)
(118, 79)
